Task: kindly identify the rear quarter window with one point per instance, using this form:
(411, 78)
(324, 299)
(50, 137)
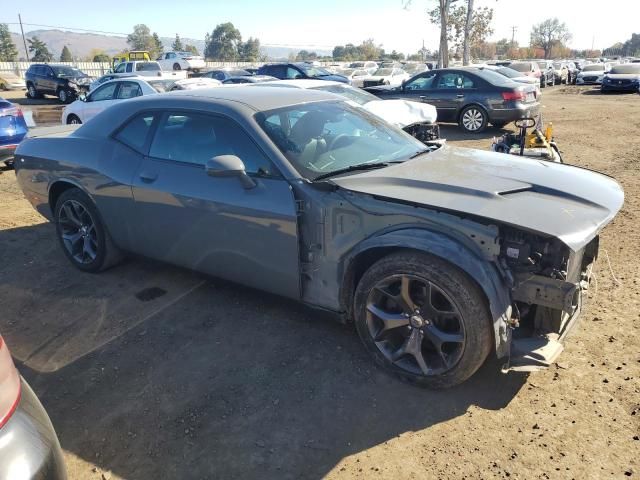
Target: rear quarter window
(136, 131)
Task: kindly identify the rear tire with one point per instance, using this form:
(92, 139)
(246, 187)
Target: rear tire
(82, 235)
(176, 66)
(450, 324)
(473, 119)
(32, 92)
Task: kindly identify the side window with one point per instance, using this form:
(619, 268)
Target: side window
(129, 90)
(129, 67)
(47, 72)
(292, 72)
(455, 80)
(196, 138)
(120, 68)
(105, 92)
(424, 82)
(134, 133)
(219, 76)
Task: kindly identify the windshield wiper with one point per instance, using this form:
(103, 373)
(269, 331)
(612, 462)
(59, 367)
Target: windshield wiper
(419, 152)
(352, 168)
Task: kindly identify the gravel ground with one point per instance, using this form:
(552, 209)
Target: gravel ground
(149, 371)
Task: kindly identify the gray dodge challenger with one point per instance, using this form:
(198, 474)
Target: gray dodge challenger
(439, 255)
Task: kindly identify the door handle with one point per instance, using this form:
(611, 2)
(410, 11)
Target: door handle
(423, 97)
(460, 95)
(147, 177)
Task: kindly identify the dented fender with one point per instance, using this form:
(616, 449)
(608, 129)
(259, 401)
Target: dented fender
(484, 272)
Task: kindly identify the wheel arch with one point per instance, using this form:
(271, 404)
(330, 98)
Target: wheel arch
(481, 271)
(58, 187)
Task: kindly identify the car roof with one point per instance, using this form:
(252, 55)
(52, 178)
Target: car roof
(304, 83)
(258, 99)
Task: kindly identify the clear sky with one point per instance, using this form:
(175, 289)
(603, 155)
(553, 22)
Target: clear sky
(325, 23)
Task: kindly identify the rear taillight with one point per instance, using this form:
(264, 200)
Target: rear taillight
(9, 385)
(10, 112)
(515, 95)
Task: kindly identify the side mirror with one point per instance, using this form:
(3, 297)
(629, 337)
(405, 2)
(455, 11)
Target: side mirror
(229, 166)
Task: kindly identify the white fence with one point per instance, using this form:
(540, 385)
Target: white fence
(96, 69)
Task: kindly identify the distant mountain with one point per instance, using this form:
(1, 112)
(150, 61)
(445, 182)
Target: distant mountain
(81, 44)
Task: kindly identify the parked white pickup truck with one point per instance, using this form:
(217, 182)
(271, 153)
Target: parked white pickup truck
(181, 61)
(147, 69)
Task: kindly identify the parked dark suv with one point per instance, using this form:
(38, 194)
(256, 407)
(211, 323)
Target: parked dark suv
(300, 70)
(63, 81)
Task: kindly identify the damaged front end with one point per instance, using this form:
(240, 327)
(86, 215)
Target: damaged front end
(425, 132)
(549, 285)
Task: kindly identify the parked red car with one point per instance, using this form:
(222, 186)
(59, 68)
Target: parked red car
(29, 447)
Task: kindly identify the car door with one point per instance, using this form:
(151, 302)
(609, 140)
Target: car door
(47, 80)
(101, 98)
(215, 224)
(452, 93)
(420, 88)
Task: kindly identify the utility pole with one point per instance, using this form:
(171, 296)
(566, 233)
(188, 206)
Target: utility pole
(514, 29)
(26, 50)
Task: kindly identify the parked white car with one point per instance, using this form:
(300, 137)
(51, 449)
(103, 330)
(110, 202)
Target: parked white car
(10, 81)
(387, 76)
(113, 91)
(401, 113)
(368, 66)
(592, 74)
(357, 76)
(147, 69)
(182, 61)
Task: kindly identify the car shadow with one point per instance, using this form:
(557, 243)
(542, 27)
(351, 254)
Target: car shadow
(597, 91)
(149, 371)
(454, 133)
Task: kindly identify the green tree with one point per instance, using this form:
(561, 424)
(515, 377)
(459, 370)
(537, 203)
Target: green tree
(224, 43)
(66, 56)
(102, 58)
(140, 38)
(550, 33)
(369, 50)
(306, 56)
(191, 49)
(250, 50)
(8, 50)
(39, 50)
(157, 48)
(177, 44)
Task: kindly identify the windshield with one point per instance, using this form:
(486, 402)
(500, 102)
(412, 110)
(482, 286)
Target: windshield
(542, 65)
(557, 65)
(357, 65)
(382, 72)
(147, 67)
(359, 96)
(162, 86)
(521, 67)
(68, 72)
(312, 71)
(626, 69)
(509, 72)
(323, 137)
(593, 68)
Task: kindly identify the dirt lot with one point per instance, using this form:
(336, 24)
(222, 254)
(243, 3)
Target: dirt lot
(210, 380)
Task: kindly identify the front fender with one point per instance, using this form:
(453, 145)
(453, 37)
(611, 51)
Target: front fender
(483, 271)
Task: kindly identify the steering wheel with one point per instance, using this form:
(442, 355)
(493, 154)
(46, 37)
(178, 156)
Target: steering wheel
(334, 142)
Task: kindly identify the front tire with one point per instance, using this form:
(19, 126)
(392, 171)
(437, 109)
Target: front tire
(73, 120)
(473, 119)
(64, 96)
(176, 66)
(82, 235)
(423, 319)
